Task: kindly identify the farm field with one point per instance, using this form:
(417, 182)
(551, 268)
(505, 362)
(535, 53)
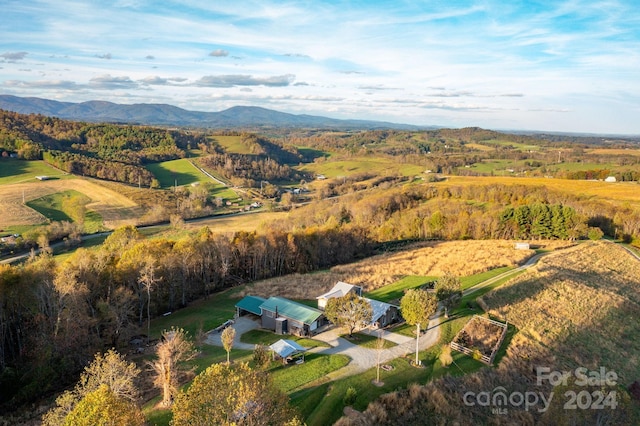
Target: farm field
(176, 172)
(53, 208)
(375, 165)
(576, 308)
(616, 192)
(18, 171)
(115, 209)
(619, 151)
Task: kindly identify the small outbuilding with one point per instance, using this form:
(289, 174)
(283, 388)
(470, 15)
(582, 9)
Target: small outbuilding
(288, 350)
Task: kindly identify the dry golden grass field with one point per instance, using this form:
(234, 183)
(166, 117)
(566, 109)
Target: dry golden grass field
(583, 303)
(460, 258)
(115, 209)
(618, 193)
(621, 151)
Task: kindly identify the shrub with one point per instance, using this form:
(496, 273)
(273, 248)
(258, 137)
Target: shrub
(595, 234)
(261, 356)
(350, 396)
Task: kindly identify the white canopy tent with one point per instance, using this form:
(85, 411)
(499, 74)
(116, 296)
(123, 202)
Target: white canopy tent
(286, 349)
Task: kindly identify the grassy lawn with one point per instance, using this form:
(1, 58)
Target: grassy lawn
(368, 341)
(206, 314)
(315, 366)
(54, 208)
(266, 337)
(180, 172)
(471, 280)
(14, 171)
(324, 404)
(393, 292)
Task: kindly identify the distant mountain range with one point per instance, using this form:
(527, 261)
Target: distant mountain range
(164, 114)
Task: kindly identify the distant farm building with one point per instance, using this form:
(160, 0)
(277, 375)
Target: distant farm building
(610, 179)
(523, 246)
(43, 177)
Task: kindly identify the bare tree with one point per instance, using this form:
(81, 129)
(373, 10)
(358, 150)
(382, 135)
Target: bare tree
(148, 279)
(174, 349)
(227, 336)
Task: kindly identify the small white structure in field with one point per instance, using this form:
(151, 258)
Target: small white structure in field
(42, 177)
(610, 179)
(522, 246)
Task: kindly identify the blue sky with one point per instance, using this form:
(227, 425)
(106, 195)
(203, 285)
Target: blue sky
(530, 65)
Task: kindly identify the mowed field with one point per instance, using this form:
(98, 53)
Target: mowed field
(115, 209)
(617, 193)
(17, 171)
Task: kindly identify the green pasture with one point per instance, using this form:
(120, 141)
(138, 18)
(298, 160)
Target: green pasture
(13, 170)
(232, 144)
(176, 172)
(378, 166)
